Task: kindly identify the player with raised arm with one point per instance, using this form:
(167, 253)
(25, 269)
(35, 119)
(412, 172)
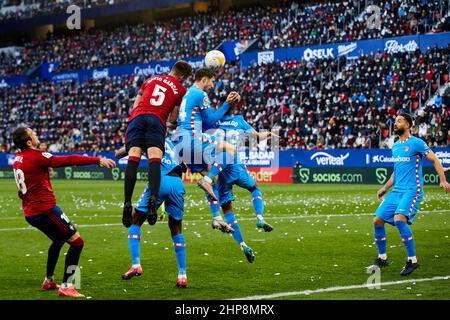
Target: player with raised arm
(39, 204)
(195, 111)
(233, 129)
(401, 204)
(172, 195)
(158, 99)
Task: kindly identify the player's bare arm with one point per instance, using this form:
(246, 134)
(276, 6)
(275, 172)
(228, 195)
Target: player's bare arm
(446, 170)
(382, 191)
(173, 117)
(440, 170)
(121, 153)
(266, 135)
(107, 163)
(137, 100)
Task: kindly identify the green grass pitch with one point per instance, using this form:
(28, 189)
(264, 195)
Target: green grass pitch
(322, 239)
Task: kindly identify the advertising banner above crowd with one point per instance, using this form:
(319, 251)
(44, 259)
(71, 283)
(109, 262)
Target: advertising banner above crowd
(350, 49)
(146, 70)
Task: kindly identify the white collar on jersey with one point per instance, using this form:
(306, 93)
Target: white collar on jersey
(405, 140)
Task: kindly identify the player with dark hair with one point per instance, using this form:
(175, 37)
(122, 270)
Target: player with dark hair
(200, 150)
(158, 100)
(401, 204)
(39, 204)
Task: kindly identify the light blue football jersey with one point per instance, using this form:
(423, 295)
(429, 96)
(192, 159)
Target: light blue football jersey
(407, 157)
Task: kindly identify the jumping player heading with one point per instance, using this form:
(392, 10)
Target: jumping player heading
(159, 97)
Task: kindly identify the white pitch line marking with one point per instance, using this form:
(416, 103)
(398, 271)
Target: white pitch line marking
(240, 219)
(341, 288)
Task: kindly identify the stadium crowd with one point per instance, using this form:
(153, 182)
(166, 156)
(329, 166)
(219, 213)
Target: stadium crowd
(289, 24)
(25, 9)
(315, 105)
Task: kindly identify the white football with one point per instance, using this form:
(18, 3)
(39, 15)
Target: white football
(215, 59)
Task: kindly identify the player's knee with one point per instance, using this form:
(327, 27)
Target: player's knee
(135, 152)
(76, 241)
(227, 207)
(154, 153)
(138, 217)
(400, 217)
(175, 226)
(377, 221)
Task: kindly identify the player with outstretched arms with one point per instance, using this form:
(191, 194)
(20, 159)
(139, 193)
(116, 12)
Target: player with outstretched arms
(401, 204)
(31, 172)
(202, 149)
(158, 100)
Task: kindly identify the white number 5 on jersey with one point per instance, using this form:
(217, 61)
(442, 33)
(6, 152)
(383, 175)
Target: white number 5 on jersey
(158, 95)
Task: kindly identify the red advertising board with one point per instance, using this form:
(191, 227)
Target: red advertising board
(260, 174)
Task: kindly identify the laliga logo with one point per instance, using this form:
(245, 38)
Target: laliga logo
(392, 46)
(325, 159)
(318, 54)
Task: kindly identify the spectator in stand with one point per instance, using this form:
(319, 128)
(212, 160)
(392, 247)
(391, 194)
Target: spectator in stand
(284, 24)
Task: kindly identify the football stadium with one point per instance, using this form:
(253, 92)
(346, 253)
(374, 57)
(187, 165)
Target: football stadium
(213, 150)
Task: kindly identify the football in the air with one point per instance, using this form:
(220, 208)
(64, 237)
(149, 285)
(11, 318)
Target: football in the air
(215, 59)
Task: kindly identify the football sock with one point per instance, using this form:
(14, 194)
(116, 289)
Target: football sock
(380, 240)
(180, 252)
(407, 237)
(52, 258)
(134, 244)
(72, 258)
(231, 220)
(215, 208)
(130, 177)
(258, 203)
(214, 171)
(154, 176)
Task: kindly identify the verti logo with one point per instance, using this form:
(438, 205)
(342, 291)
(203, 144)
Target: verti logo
(381, 174)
